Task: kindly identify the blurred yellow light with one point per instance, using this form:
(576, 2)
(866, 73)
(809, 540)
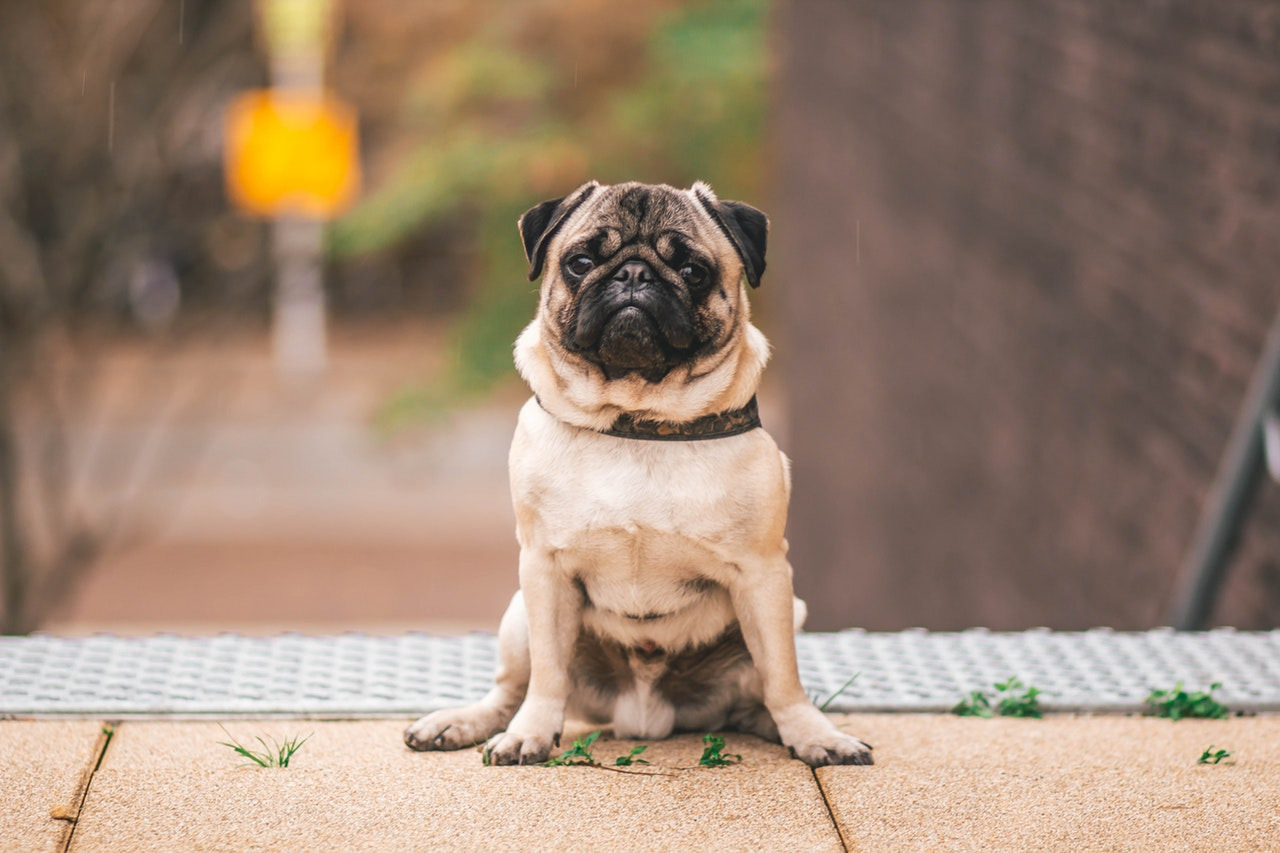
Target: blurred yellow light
(291, 153)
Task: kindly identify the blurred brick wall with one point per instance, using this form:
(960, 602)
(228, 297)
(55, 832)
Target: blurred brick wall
(1026, 254)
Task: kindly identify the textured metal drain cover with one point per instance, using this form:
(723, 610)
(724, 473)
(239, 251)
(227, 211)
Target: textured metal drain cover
(1098, 670)
(355, 675)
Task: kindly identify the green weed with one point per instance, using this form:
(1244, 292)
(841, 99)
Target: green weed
(275, 754)
(975, 705)
(1212, 756)
(630, 758)
(1014, 704)
(1178, 703)
(579, 755)
(1012, 699)
(714, 755)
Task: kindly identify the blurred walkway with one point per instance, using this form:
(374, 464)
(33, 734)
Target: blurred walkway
(297, 514)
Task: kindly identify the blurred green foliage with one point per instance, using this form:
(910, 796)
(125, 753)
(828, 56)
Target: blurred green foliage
(501, 120)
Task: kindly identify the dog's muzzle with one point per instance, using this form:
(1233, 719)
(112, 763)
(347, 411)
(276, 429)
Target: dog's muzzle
(633, 320)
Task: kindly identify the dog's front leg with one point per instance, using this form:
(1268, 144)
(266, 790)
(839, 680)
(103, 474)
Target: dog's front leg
(763, 598)
(553, 606)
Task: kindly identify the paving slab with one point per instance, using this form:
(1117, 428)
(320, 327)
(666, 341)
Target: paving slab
(44, 768)
(1062, 783)
(354, 786)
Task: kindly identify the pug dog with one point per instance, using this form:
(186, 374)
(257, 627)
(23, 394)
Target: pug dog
(655, 592)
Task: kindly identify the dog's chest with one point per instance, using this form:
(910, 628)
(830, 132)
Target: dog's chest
(642, 587)
(635, 504)
(650, 515)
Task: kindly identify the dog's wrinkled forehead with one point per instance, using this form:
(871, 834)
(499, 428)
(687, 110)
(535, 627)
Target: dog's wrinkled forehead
(632, 214)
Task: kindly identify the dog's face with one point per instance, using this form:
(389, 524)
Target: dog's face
(641, 279)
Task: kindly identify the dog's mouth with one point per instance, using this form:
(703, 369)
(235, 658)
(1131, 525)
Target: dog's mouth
(633, 324)
(631, 341)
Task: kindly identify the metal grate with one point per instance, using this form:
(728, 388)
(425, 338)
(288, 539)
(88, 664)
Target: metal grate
(1099, 670)
(355, 675)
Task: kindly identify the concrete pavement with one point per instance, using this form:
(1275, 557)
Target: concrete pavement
(1106, 783)
(940, 782)
(45, 767)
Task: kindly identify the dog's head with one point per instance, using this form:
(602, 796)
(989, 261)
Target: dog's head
(641, 279)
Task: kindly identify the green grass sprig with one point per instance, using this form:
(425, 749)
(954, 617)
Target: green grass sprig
(275, 754)
(822, 706)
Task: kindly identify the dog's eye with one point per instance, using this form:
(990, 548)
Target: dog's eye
(693, 274)
(579, 265)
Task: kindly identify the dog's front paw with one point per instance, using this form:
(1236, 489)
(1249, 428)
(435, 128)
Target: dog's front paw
(838, 748)
(511, 748)
(815, 740)
(455, 728)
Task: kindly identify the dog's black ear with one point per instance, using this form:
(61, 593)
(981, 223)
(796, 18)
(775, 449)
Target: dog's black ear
(746, 228)
(540, 223)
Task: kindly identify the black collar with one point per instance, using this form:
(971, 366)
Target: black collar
(720, 425)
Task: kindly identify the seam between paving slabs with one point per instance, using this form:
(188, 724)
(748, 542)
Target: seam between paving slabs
(100, 747)
(831, 813)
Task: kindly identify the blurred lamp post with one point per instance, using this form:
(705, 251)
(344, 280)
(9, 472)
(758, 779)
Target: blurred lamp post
(291, 155)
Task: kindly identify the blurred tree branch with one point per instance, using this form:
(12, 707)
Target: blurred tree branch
(109, 174)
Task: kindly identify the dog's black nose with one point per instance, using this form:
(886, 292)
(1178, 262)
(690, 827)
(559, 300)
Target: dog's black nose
(633, 272)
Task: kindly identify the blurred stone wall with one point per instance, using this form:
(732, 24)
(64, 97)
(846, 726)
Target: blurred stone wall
(1025, 255)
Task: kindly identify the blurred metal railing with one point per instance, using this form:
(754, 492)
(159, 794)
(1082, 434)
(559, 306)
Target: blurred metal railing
(1232, 492)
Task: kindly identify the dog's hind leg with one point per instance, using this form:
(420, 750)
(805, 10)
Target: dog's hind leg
(455, 728)
(753, 718)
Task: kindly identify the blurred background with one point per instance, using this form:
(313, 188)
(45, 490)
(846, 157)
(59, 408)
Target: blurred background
(1022, 266)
